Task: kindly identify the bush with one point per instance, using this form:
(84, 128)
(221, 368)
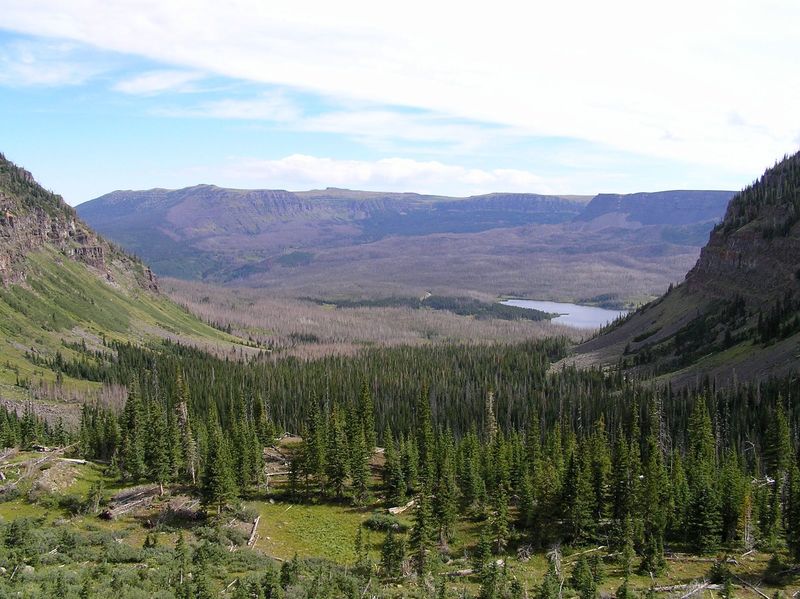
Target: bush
(384, 523)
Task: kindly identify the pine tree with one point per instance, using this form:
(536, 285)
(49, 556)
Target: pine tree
(500, 521)
(425, 440)
(338, 461)
(314, 449)
(394, 481)
(483, 552)
(551, 584)
(219, 485)
(445, 498)
(793, 512)
(366, 410)
(578, 498)
(392, 555)
(359, 468)
(704, 500)
(157, 448)
(133, 435)
(655, 495)
(582, 579)
(422, 533)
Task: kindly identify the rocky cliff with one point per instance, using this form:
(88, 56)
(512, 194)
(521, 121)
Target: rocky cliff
(755, 251)
(32, 217)
(736, 316)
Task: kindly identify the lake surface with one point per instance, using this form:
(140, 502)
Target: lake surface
(572, 315)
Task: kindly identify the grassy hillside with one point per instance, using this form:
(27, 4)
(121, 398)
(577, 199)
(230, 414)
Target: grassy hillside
(63, 287)
(62, 303)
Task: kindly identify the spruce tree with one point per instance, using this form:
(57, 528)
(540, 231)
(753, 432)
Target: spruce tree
(445, 497)
(655, 496)
(219, 486)
(422, 533)
(500, 521)
(359, 468)
(704, 500)
(394, 481)
(392, 555)
(338, 460)
(582, 579)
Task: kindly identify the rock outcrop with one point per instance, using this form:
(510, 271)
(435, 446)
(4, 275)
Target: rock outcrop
(32, 217)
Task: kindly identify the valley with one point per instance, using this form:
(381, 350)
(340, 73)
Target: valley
(341, 244)
(213, 436)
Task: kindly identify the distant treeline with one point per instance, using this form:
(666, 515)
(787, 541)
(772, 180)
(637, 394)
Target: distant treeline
(463, 306)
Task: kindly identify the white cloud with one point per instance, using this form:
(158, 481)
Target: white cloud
(300, 171)
(24, 63)
(267, 107)
(659, 81)
(156, 82)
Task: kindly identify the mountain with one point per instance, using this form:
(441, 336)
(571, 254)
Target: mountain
(65, 291)
(737, 313)
(201, 231)
(344, 242)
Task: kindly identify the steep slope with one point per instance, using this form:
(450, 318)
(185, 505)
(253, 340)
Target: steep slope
(737, 313)
(64, 290)
(345, 243)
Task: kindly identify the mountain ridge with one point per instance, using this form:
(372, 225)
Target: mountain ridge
(736, 315)
(307, 242)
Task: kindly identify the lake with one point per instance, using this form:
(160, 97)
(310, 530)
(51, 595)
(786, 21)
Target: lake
(572, 315)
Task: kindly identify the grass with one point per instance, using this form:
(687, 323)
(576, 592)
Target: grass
(64, 301)
(326, 531)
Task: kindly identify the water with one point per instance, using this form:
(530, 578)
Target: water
(572, 315)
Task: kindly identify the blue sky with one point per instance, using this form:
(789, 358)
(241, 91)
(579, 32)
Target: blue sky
(98, 96)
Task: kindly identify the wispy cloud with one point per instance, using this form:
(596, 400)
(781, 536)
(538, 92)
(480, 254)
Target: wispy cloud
(266, 107)
(617, 76)
(156, 82)
(300, 171)
(47, 64)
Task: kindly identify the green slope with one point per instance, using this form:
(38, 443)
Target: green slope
(63, 288)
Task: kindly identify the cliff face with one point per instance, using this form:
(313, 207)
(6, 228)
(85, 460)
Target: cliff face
(737, 314)
(32, 217)
(755, 251)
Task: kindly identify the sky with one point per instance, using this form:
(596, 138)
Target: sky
(443, 97)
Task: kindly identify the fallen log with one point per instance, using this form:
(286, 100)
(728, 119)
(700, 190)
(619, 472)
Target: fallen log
(751, 586)
(671, 588)
(470, 571)
(251, 541)
(402, 508)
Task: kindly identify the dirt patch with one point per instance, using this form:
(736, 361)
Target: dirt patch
(55, 476)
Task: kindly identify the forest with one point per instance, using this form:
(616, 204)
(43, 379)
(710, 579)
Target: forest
(484, 448)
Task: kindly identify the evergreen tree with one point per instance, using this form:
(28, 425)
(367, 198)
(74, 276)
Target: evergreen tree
(359, 468)
(500, 521)
(394, 481)
(655, 497)
(366, 411)
(338, 460)
(582, 579)
(704, 501)
(132, 427)
(422, 533)
(392, 555)
(219, 486)
(445, 497)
